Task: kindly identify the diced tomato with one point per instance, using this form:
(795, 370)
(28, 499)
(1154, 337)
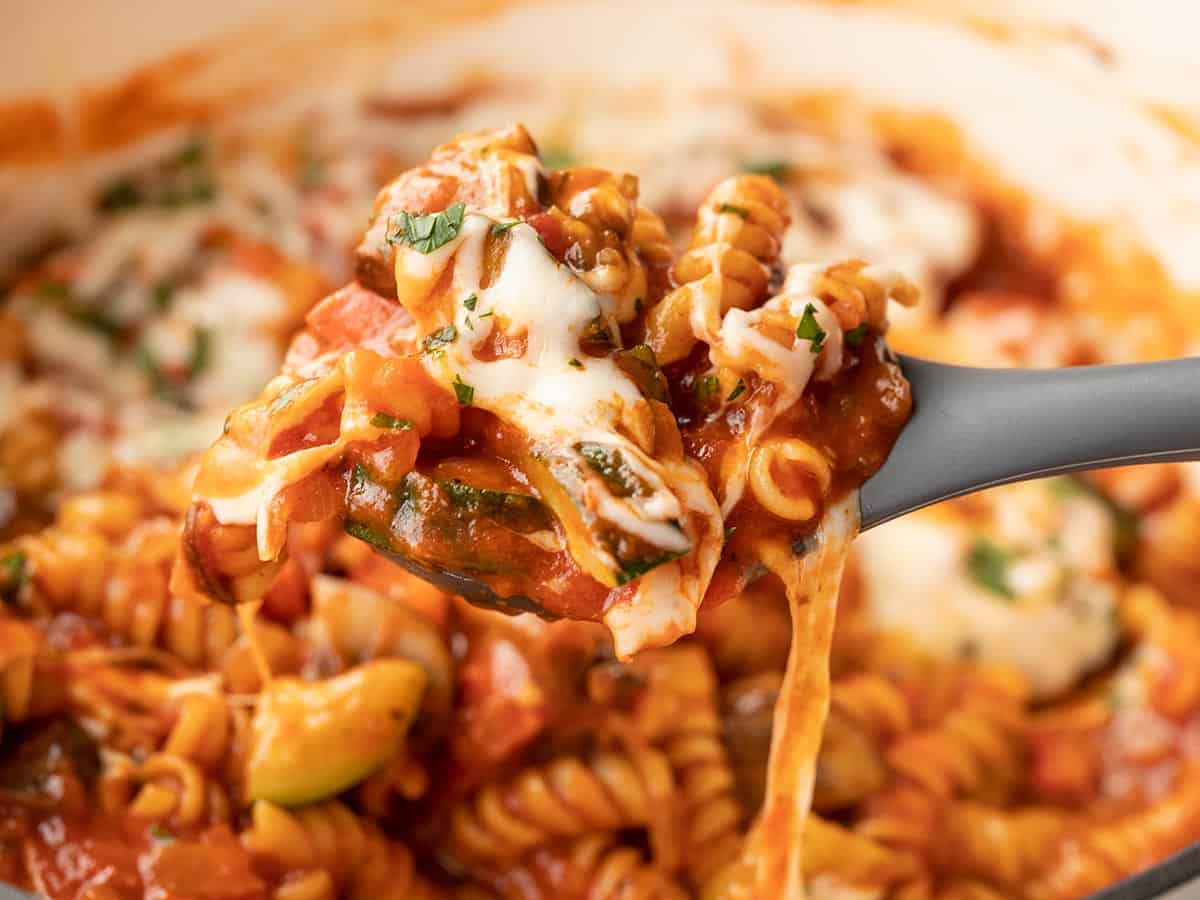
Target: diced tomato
(213, 867)
(501, 706)
(552, 234)
(350, 316)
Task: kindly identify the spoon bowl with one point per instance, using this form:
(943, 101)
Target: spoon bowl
(973, 429)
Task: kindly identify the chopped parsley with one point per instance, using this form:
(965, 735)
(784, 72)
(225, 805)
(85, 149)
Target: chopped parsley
(13, 574)
(471, 301)
(501, 227)
(487, 315)
(641, 366)
(463, 391)
(706, 387)
(53, 292)
(163, 295)
(609, 464)
(440, 338)
(521, 511)
(360, 476)
(739, 211)
(558, 158)
(729, 530)
(428, 232)
(855, 336)
(636, 568)
(988, 564)
(161, 834)
(85, 315)
(775, 168)
(738, 390)
(384, 420)
(574, 363)
(808, 329)
(119, 194)
(368, 534)
(201, 352)
(193, 153)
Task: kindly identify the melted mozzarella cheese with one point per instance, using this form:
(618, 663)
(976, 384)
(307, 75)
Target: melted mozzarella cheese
(559, 399)
(742, 345)
(1060, 622)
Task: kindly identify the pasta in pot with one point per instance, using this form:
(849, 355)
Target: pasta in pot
(367, 736)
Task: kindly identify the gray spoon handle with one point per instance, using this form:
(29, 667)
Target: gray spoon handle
(977, 428)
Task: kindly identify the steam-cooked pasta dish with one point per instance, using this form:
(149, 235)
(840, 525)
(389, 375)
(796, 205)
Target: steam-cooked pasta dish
(636, 406)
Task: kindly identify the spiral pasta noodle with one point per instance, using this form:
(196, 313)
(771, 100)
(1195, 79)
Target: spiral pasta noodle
(802, 462)
(568, 797)
(737, 239)
(164, 787)
(331, 852)
(679, 714)
(592, 867)
(1100, 854)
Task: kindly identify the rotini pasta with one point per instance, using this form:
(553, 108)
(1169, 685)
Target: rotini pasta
(527, 382)
(566, 797)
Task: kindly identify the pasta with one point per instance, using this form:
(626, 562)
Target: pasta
(994, 698)
(565, 798)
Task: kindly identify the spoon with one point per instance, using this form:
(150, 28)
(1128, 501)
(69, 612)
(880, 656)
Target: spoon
(973, 429)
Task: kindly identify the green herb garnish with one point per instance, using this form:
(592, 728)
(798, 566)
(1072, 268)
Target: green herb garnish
(739, 211)
(557, 158)
(13, 574)
(988, 564)
(706, 387)
(161, 834)
(163, 295)
(521, 510)
(501, 227)
(440, 338)
(367, 533)
(574, 363)
(738, 390)
(53, 292)
(609, 464)
(193, 153)
(471, 301)
(636, 568)
(360, 476)
(463, 391)
(122, 193)
(428, 232)
(855, 336)
(201, 352)
(383, 420)
(808, 329)
(640, 364)
(775, 168)
(729, 530)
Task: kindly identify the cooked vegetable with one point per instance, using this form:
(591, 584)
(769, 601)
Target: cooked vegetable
(565, 479)
(521, 512)
(311, 740)
(642, 368)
